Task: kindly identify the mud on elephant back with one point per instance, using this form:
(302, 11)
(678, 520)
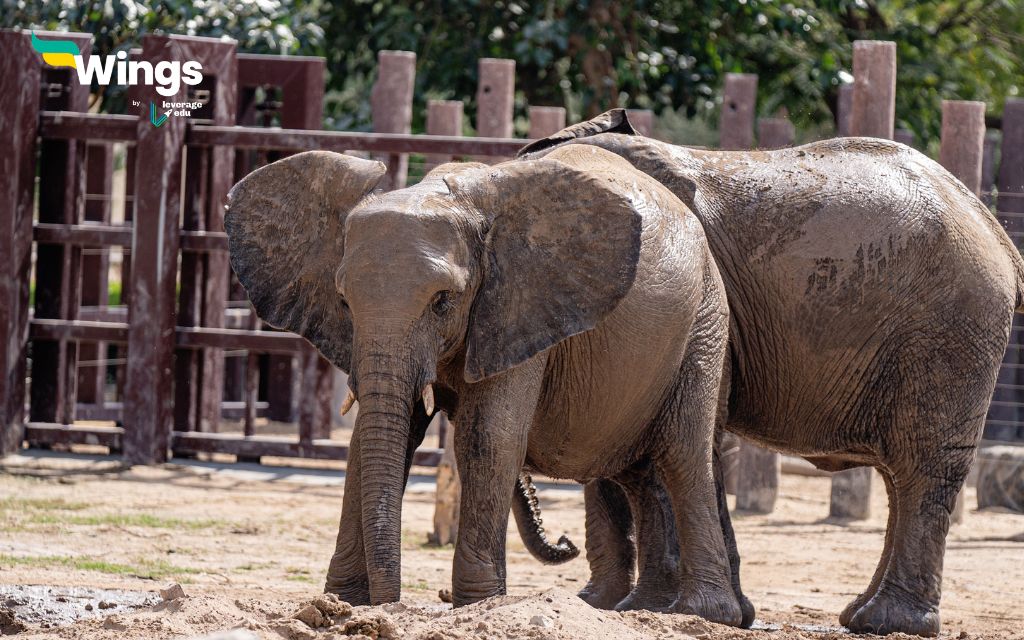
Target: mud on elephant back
(565, 312)
(871, 297)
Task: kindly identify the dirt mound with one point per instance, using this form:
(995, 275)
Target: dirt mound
(555, 614)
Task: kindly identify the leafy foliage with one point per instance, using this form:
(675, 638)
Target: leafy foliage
(590, 55)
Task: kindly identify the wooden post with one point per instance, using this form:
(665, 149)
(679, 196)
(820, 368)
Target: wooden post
(874, 89)
(873, 114)
(962, 152)
(775, 133)
(904, 136)
(19, 121)
(757, 483)
(54, 371)
(495, 94)
(963, 141)
(444, 118)
(739, 104)
(545, 121)
(844, 110)
(152, 317)
(642, 120)
(301, 80)
(449, 491)
(391, 103)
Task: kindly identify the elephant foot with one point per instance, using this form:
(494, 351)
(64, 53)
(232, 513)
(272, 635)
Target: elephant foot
(356, 593)
(851, 609)
(654, 595)
(747, 608)
(711, 602)
(884, 614)
(602, 595)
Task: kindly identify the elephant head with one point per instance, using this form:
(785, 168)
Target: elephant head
(457, 279)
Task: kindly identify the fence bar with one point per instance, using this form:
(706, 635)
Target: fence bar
(495, 93)
(19, 108)
(872, 113)
(739, 104)
(99, 172)
(391, 104)
(545, 121)
(444, 118)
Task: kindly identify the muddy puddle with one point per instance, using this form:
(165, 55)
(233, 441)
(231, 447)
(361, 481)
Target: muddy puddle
(52, 606)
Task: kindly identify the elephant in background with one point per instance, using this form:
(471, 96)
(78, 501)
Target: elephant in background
(871, 297)
(566, 312)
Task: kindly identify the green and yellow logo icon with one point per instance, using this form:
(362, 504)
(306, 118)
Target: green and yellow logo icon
(57, 53)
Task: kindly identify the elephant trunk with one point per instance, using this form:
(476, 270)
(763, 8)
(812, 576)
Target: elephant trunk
(385, 412)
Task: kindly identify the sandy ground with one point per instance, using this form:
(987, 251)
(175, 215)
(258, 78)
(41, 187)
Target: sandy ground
(249, 546)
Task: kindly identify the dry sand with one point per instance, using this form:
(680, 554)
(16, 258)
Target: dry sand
(250, 554)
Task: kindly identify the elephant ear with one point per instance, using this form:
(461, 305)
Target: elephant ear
(286, 234)
(561, 252)
(612, 121)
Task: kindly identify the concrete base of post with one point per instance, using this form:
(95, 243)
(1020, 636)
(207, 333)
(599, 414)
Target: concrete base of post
(851, 494)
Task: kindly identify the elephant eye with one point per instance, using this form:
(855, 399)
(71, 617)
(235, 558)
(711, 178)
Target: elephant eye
(442, 302)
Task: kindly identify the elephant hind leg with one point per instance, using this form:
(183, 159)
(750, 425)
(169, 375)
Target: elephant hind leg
(657, 544)
(610, 544)
(883, 563)
(907, 596)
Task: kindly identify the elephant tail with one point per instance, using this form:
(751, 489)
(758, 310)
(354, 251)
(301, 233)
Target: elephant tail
(526, 510)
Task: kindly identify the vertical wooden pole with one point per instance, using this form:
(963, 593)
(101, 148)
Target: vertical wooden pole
(449, 491)
(775, 133)
(1005, 414)
(844, 110)
(391, 102)
(58, 266)
(148, 406)
(642, 120)
(739, 105)
(874, 89)
(495, 95)
(873, 114)
(444, 118)
(963, 141)
(904, 136)
(545, 121)
(96, 267)
(19, 119)
(962, 153)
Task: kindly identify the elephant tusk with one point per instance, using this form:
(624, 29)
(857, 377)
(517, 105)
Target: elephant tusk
(350, 400)
(428, 399)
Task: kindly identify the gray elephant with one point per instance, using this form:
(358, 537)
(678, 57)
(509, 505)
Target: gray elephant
(871, 297)
(566, 312)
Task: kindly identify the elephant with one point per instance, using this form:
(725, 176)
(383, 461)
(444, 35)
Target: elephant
(566, 312)
(871, 297)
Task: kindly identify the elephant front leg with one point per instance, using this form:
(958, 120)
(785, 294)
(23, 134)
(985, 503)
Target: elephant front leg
(490, 449)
